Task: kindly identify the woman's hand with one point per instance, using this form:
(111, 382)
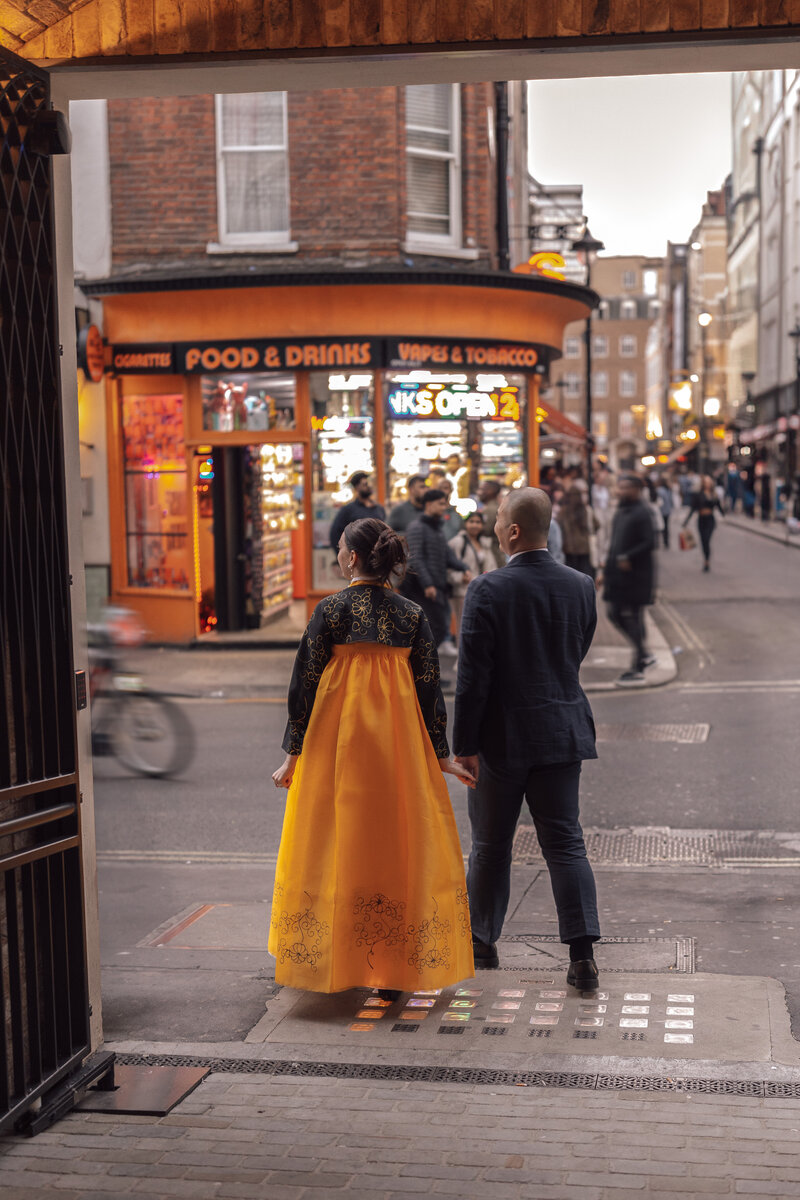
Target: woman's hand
(455, 768)
(285, 772)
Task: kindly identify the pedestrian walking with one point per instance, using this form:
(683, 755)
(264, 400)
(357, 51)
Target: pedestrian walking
(666, 503)
(629, 574)
(489, 500)
(705, 503)
(430, 557)
(408, 510)
(523, 726)
(579, 528)
(765, 494)
(369, 887)
(452, 522)
(475, 549)
(362, 505)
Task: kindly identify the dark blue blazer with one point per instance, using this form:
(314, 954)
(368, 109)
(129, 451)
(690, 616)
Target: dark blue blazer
(525, 630)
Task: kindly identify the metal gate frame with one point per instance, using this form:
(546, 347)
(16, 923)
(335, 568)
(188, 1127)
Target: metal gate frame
(44, 1006)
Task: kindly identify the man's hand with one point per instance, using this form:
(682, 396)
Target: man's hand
(430, 593)
(624, 564)
(469, 762)
(467, 576)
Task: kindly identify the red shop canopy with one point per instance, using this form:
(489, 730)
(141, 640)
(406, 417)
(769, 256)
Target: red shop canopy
(557, 423)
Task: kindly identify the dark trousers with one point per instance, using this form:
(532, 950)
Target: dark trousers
(629, 620)
(438, 613)
(580, 562)
(705, 527)
(551, 794)
(665, 530)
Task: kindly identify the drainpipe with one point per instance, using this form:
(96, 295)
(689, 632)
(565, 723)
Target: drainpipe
(501, 130)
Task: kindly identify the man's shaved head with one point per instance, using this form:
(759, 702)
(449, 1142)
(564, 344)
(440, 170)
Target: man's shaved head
(531, 510)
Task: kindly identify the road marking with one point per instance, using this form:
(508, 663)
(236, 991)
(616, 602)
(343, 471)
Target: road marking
(685, 631)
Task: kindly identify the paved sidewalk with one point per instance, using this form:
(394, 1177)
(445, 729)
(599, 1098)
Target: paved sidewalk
(776, 531)
(271, 1138)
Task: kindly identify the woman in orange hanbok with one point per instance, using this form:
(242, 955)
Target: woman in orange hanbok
(369, 889)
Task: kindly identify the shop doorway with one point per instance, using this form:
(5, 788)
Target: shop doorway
(249, 555)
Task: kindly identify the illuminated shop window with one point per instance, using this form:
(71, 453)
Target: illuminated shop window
(256, 403)
(433, 164)
(154, 463)
(342, 414)
(252, 169)
(463, 426)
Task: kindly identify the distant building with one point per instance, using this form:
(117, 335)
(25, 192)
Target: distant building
(621, 424)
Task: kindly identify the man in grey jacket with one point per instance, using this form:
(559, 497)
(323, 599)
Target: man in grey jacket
(429, 557)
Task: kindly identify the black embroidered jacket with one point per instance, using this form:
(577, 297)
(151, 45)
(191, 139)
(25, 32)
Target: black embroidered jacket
(366, 613)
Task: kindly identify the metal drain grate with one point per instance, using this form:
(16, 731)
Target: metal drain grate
(468, 1075)
(683, 962)
(662, 846)
(685, 734)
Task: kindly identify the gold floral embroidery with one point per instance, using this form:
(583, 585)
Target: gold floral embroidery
(379, 920)
(301, 937)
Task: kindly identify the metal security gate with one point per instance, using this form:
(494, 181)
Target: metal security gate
(44, 1012)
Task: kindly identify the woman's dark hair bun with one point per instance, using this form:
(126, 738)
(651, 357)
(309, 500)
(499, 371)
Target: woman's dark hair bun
(379, 548)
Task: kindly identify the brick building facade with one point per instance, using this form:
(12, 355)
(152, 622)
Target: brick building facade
(347, 180)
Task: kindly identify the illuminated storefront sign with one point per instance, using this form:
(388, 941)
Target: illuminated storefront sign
(208, 358)
(409, 401)
(406, 352)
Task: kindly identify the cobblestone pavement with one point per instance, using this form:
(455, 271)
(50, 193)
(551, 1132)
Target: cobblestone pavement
(289, 1139)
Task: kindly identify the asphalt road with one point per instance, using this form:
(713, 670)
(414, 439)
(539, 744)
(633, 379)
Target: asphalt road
(738, 629)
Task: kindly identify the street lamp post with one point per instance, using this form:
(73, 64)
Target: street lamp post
(589, 247)
(704, 319)
(794, 334)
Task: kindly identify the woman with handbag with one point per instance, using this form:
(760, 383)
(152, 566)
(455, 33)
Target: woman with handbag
(475, 549)
(704, 503)
(369, 886)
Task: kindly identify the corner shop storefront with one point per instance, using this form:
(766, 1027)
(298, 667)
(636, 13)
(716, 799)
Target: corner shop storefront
(237, 414)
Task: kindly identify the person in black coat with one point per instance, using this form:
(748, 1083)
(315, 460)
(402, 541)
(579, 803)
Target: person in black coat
(629, 574)
(429, 557)
(523, 724)
(362, 505)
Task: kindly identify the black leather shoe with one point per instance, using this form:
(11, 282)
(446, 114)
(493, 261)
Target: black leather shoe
(389, 994)
(485, 955)
(583, 975)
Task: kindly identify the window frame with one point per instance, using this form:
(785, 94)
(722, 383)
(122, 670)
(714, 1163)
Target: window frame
(572, 347)
(628, 345)
(454, 239)
(624, 377)
(256, 239)
(600, 346)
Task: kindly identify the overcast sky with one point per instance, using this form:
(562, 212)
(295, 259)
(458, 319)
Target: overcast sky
(645, 148)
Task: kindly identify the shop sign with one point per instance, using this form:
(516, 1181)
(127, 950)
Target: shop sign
(411, 400)
(91, 353)
(154, 358)
(204, 358)
(411, 352)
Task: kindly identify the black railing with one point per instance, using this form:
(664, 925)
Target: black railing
(44, 1012)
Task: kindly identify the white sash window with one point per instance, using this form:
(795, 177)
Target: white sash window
(433, 165)
(252, 170)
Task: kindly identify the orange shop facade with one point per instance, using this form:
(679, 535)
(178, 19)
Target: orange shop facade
(238, 411)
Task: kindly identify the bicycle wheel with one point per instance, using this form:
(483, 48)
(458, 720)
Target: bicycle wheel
(151, 735)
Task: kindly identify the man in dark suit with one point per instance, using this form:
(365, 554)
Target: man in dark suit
(523, 725)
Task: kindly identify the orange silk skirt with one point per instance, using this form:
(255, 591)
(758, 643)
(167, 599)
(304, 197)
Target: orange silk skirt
(369, 889)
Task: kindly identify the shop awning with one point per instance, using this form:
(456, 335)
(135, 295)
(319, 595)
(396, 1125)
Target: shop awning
(557, 423)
